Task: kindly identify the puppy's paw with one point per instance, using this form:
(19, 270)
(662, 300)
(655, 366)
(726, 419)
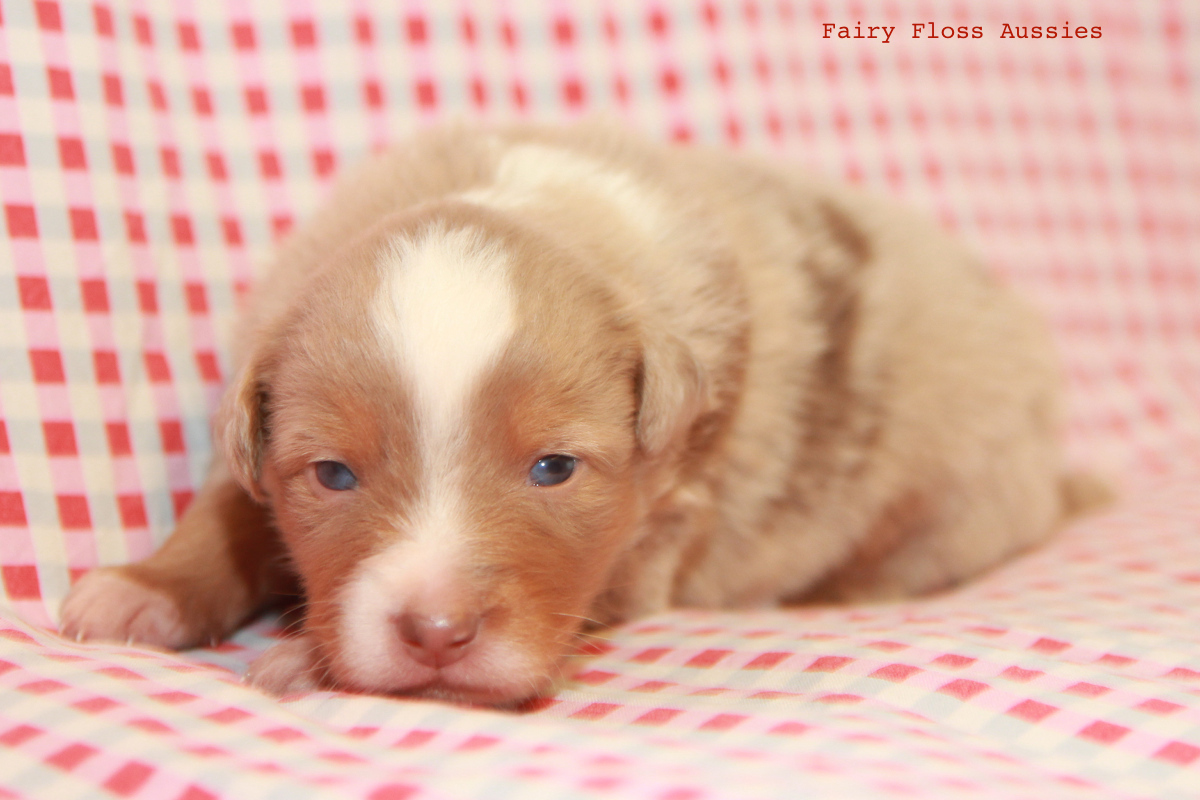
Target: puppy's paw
(111, 605)
(290, 667)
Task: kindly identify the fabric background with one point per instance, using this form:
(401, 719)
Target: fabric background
(150, 153)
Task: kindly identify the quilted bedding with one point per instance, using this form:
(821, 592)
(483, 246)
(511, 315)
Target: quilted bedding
(151, 152)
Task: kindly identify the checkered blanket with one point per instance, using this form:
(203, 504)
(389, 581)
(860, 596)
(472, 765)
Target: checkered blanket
(150, 153)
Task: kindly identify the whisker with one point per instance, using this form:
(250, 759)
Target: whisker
(597, 623)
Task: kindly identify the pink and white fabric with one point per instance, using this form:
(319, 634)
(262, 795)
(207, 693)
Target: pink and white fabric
(150, 153)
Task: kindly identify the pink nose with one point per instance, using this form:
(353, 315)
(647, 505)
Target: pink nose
(436, 641)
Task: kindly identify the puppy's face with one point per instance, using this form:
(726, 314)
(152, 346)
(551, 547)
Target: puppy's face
(451, 427)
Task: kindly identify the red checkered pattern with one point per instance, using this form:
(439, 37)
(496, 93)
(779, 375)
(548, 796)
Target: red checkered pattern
(151, 153)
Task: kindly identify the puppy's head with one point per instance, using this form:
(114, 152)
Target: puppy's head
(454, 425)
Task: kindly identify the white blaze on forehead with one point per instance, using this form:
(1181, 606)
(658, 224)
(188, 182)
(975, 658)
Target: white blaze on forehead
(448, 311)
(448, 308)
(531, 173)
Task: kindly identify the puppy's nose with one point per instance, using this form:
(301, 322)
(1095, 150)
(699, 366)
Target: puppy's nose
(436, 641)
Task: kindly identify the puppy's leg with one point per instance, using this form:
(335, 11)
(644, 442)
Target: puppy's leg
(1010, 507)
(222, 563)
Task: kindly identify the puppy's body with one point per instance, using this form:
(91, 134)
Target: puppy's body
(774, 389)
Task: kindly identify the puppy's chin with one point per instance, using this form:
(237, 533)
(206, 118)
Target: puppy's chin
(500, 697)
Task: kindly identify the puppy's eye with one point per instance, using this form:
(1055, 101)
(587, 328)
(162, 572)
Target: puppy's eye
(551, 470)
(335, 476)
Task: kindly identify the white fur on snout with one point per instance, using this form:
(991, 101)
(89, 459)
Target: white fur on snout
(383, 587)
(423, 572)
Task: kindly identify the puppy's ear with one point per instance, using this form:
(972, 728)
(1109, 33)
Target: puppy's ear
(239, 426)
(671, 388)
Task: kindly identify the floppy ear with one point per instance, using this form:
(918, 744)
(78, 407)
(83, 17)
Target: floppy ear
(671, 388)
(239, 426)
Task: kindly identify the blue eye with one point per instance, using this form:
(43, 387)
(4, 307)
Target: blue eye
(335, 476)
(551, 470)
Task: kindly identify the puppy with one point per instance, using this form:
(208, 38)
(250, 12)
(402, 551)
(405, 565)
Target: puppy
(504, 383)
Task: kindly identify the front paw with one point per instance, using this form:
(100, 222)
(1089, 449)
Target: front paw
(112, 604)
(290, 667)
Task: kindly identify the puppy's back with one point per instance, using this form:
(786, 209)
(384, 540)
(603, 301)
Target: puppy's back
(884, 413)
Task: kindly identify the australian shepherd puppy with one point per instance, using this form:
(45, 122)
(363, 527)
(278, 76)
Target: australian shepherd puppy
(507, 381)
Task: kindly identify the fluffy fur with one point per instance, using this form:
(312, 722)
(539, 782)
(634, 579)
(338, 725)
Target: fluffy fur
(776, 389)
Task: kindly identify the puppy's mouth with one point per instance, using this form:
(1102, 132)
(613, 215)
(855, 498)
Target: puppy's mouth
(495, 673)
(444, 690)
(440, 686)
